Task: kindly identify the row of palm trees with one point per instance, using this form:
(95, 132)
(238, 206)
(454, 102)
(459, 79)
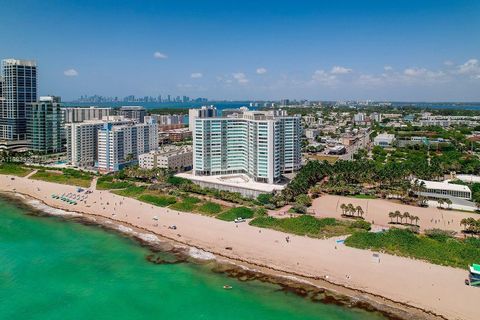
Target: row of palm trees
(349, 210)
(407, 216)
(441, 201)
(471, 225)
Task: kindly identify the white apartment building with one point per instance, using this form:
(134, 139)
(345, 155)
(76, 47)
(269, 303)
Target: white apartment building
(447, 121)
(169, 119)
(120, 145)
(203, 112)
(82, 140)
(262, 145)
(80, 114)
(168, 157)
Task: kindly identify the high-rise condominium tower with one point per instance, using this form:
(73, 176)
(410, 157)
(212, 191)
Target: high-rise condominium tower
(262, 145)
(19, 89)
(45, 125)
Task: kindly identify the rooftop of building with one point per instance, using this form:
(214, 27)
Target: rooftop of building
(444, 185)
(19, 62)
(171, 150)
(131, 108)
(233, 180)
(385, 136)
(88, 108)
(245, 113)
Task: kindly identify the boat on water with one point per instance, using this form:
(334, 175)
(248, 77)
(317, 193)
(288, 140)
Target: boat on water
(474, 276)
(227, 287)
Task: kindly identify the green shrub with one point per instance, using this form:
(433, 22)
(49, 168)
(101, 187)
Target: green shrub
(439, 249)
(177, 181)
(161, 201)
(131, 191)
(361, 224)
(265, 198)
(239, 212)
(210, 208)
(183, 206)
(191, 200)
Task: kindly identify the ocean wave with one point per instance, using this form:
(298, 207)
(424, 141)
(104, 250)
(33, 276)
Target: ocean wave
(148, 237)
(200, 254)
(52, 211)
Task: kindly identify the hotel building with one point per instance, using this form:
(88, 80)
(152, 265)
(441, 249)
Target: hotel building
(120, 145)
(262, 145)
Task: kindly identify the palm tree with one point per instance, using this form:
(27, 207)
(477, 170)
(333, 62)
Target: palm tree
(351, 209)
(440, 203)
(398, 215)
(359, 211)
(464, 223)
(391, 215)
(405, 215)
(343, 206)
(416, 220)
(448, 202)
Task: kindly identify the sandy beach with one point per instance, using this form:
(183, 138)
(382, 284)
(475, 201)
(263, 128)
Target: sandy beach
(436, 289)
(376, 211)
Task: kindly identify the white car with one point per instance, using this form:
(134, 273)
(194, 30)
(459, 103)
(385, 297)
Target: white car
(238, 220)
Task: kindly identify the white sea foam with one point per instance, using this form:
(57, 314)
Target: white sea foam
(200, 254)
(52, 211)
(124, 229)
(147, 237)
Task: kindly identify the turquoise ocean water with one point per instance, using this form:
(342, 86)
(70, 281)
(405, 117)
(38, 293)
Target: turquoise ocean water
(56, 269)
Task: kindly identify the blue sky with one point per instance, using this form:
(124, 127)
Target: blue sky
(388, 50)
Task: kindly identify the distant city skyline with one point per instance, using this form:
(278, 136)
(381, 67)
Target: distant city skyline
(249, 50)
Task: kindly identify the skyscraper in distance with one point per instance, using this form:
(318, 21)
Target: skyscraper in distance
(18, 90)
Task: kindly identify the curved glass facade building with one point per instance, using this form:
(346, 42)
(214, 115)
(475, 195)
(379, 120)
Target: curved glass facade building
(260, 144)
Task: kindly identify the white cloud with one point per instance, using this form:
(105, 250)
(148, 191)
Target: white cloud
(471, 67)
(261, 70)
(388, 68)
(414, 72)
(424, 74)
(448, 63)
(159, 55)
(340, 70)
(240, 77)
(196, 75)
(320, 76)
(70, 73)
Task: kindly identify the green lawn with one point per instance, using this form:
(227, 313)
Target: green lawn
(14, 169)
(161, 201)
(131, 191)
(233, 213)
(210, 208)
(364, 196)
(109, 183)
(307, 225)
(67, 176)
(440, 250)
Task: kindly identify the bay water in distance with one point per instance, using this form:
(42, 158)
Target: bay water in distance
(51, 268)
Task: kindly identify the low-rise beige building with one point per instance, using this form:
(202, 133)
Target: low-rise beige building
(168, 157)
